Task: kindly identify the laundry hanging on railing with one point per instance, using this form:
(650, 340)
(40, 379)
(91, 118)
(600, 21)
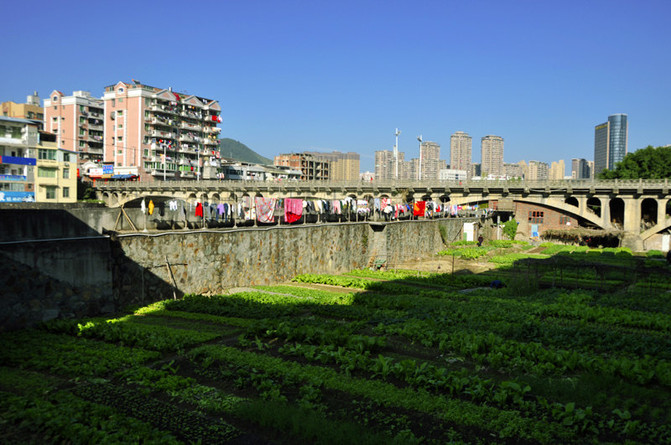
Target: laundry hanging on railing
(293, 209)
(265, 208)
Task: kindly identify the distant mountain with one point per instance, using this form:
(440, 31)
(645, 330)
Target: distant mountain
(230, 148)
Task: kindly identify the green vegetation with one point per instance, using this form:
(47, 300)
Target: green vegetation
(396, 356)
(510, 228)
(645, 163)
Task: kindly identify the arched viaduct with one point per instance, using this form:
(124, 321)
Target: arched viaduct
(641, 209)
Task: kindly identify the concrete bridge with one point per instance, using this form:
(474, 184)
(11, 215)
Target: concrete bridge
(639, 208)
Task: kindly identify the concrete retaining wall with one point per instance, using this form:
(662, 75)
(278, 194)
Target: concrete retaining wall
(42, 280)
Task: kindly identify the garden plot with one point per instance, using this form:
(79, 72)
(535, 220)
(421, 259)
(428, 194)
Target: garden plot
(371, 357)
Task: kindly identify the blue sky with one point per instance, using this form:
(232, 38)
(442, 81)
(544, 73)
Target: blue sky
(342, 75)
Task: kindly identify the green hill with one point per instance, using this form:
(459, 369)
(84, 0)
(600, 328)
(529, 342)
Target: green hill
(232, 149)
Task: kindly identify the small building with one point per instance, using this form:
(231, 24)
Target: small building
(18, 148)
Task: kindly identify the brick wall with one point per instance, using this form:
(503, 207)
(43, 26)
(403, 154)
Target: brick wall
(546, 218)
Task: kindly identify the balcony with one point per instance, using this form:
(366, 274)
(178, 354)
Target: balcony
(189, 126)
(209, 141)
(162, 121)
(161, 171)
(163, 108)
(187, 138)
(95, 138)
(187, 149)
(188, 175)
(161, 134)
(211, 130)
(184, 161)
(191, 114)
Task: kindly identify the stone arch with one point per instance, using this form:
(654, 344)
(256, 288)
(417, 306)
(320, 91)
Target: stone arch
(616, 208)
(668, 208)
(426, 197)
(572, 201)
(648, 213)
(215, 198)
(594, 204)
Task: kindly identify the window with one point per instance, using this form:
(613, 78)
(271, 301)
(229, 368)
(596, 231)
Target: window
(66, 192)
(82, 144)
(66, 157)
(119, 112)
(121, 90)
(43, 172)
(536, 217)
(66, 173)
(121, 100)
(51, 192)
(43, 153)
(55, 98)
(564, 220)
(120, 126)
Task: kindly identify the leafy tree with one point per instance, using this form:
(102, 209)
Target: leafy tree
(646, 163)
(510, 228)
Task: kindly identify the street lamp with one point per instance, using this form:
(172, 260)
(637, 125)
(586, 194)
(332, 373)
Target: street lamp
(165, 156)
(419, 138)
(396, 153)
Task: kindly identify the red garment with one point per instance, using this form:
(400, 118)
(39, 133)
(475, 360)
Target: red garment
(293, 210)
(199, 210)
(419, 208)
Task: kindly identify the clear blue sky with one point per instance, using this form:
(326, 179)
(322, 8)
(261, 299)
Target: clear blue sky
(342, 75)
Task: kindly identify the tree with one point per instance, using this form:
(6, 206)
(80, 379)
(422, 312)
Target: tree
(646, 163)
(510, 228)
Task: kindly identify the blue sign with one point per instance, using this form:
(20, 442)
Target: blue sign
(12, 178)
(108, 169)
(17, 196)
(18, 161)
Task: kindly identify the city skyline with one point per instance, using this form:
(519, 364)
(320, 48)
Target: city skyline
(289, 78)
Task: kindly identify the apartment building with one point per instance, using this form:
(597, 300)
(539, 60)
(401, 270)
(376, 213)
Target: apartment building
(18, 145)
(56, 172)
(312, 168)
(537, 171)
(461, 146)
(77, 120)
(581, 168)
(557, 170)
(167, 135)
(385, 165)
(492, 156)
(430, 162)
(32, 109)
(343, 166)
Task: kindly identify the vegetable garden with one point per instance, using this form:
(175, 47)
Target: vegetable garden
(365, 357)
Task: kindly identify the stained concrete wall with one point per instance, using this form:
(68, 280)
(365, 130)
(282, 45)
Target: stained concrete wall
(91, 274)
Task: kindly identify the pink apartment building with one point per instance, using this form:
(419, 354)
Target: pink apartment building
(165, 134)
(77, 121)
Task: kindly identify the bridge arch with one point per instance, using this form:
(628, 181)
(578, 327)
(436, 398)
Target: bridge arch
(617, 214)
(648, 213)
(595, 205)
(572, 200)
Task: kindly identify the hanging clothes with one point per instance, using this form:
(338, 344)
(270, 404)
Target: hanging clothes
(265, 209)
(199, 210)
(419, 208)
(293, 209)
(150, 208)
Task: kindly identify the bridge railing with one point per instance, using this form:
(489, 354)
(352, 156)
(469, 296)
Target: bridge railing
(401, 184)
